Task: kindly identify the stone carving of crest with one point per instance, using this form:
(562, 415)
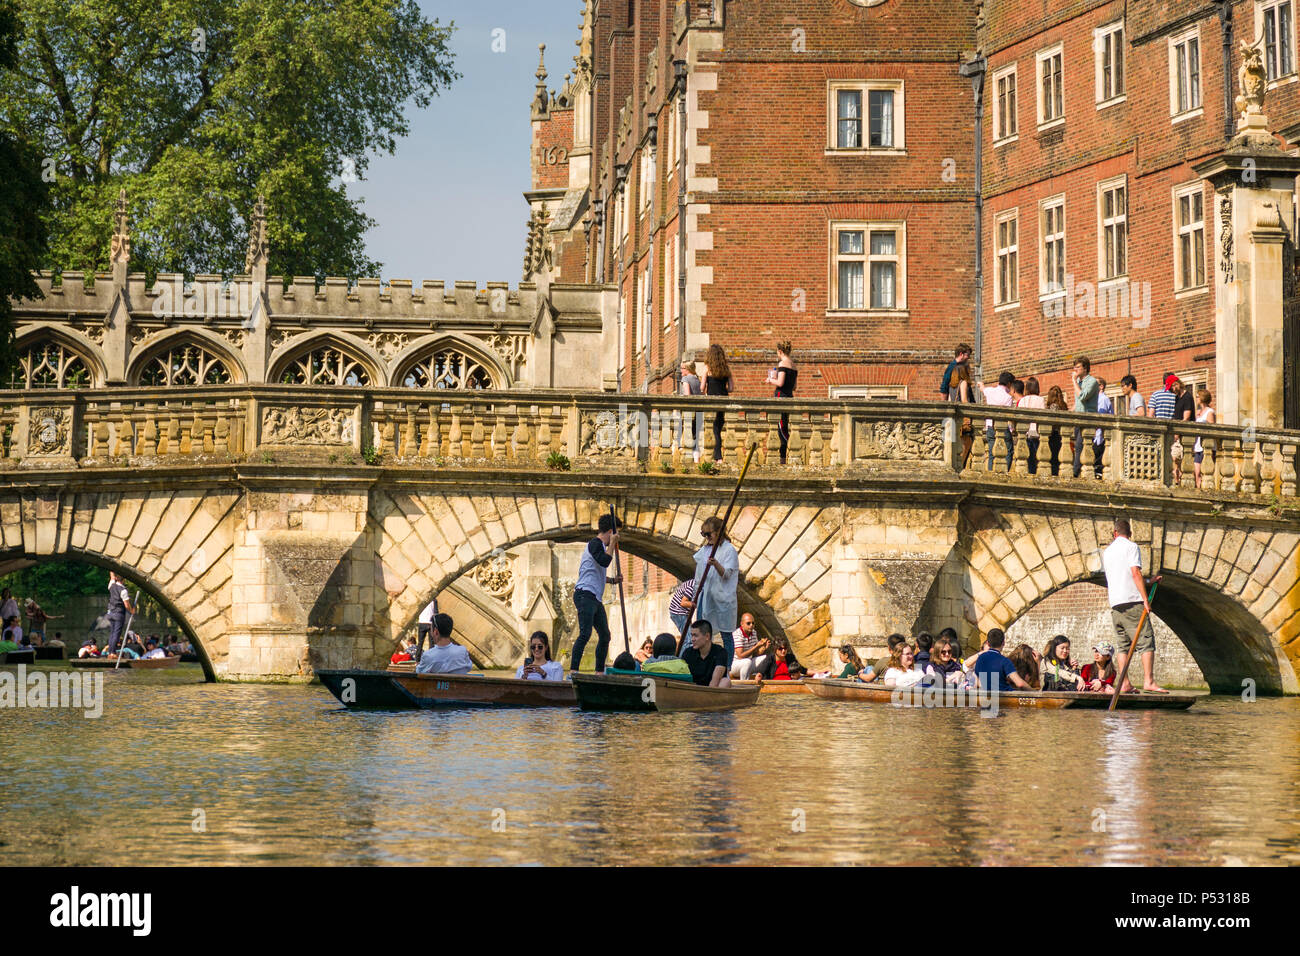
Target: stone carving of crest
(602, 433)
(1252, 81)
(308, 426)
(48, 431)
(496, 576)
(899, 441)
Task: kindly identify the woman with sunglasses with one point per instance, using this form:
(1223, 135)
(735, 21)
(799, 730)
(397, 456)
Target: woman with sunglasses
(946, 663)
(716, 602)
(538, 664)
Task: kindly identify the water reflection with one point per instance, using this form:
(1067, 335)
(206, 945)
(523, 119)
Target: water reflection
(283, 775)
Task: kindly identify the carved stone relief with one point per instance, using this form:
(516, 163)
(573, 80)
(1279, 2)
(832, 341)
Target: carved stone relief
(308, 426)
(898, 441)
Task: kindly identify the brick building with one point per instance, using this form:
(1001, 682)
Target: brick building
(879, 179)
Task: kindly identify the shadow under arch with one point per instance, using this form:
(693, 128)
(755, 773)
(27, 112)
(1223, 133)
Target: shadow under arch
(1228, 643)
(13, 560)
(671, 554)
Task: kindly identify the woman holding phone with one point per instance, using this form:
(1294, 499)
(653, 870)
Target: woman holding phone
(538, 664)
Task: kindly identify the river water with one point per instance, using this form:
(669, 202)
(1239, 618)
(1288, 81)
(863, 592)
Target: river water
(177, 771)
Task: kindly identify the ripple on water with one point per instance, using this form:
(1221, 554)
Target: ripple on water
(283, 775)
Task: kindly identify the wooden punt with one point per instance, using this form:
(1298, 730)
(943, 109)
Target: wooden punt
(407, 689)
(631, 692)
(775, 686)
(19, 657)
(110, 663)
(951, 697)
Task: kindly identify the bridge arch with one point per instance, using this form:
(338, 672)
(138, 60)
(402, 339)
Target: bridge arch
(786, 553)
(449, 360)
(1232, 597)
(327, 358)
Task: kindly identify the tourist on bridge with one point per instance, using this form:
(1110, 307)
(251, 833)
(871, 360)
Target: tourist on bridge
(1163, 400)
(691, 386)
(444, 656)
(961, 356)
(1137, 406)
(119, 605)
(963, 391)
(1130, 604)
(784, 376)
(1000, 396)
(589, 593)
(1205, 416)
(717, 600)
(538, 664)
(718, 381)
(1086, 391)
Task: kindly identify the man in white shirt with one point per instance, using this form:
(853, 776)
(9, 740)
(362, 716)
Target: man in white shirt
(425, 627)
(745, 639)
(444, 657)
(1000, 394)
(1126, 588)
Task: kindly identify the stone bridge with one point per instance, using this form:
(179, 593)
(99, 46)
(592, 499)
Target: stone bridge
(292, 528)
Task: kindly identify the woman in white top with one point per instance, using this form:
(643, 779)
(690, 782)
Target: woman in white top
(1032, 399)
(1206, 415)
(902, 670)
(538, 664)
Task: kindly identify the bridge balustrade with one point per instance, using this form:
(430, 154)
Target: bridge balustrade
(589, 430)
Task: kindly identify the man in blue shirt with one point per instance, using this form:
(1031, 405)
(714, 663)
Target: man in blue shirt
(589, 592)
(994, 670)
(961, 355)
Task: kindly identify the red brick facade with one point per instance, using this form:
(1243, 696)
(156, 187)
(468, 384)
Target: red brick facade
(767, 183)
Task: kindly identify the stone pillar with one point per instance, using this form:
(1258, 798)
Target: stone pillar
(1250, 219)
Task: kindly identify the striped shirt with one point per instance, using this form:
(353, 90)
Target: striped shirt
(683, 592)
(1162, 404)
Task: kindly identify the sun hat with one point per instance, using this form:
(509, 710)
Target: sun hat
(1104, 647)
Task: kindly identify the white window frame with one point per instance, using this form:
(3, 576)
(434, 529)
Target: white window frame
(1100, 43)
(1288, 40)
(899, 228)
(1103, 187)
(833, 88)
(869, 392)
(1045, 291)
(1001, 136)
(1010, 215)
(1043, 56)
(1198, 89)
(1196, 187)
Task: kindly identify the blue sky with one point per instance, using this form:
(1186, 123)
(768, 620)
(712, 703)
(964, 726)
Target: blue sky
(448, 204)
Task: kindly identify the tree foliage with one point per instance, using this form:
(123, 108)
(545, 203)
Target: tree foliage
(23, 198)
(198, 106)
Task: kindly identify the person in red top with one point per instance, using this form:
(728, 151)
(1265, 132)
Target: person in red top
(404, 653)
(1100, 675)
(782, 664)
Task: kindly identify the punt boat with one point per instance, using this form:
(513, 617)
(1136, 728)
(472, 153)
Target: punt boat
(48, 653)
(19, 657)
(111, 663)
(952, 697)
(657, 692)
(775, 686)
(405, 689)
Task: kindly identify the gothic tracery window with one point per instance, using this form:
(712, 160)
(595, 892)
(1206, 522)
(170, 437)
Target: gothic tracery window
(185, 364)
(327, 365)
(49, 364)
(447, 368)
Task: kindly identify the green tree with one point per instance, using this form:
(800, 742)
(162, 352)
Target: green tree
(23, 199)
(198, 106)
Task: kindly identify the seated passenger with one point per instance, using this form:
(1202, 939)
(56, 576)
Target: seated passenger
(665, 659)
(706, 661)
(125, 653)
(646, 650)
(538, 664)
(903, 670)
(626, 662)
(851, 661)
(924, 642)
(445, 656)
(782, 664)
(88, 649)
(993, 671)
(882, 665)
(56, 640)
(1100, 675)
(947, 667)
(1025, 658)
(153, 651)
(404, 653)
(12, 633)
(1060, 671)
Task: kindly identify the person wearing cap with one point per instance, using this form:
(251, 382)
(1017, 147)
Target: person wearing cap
(1129, 603)
(1163, 400)
(152, 650)
(1100, 675)
(88, 649)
